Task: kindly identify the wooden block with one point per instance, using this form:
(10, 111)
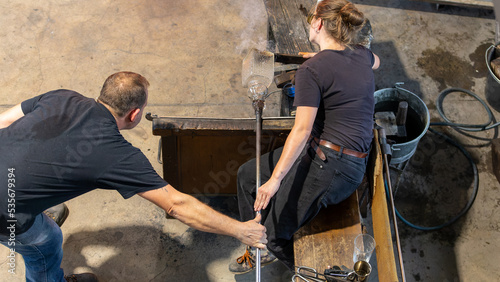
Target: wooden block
(328, 239)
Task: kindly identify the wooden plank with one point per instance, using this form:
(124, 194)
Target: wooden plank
(328, 240)
(386, 264)
(164, 126)
(287, 20)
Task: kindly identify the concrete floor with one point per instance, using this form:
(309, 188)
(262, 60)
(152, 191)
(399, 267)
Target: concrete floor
(191, 52)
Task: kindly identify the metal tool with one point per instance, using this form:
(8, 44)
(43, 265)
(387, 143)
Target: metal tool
(257, 74)
(361, 271)
(386, 150)
(258, 105)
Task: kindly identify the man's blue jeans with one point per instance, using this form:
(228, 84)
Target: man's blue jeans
(41, 248)
(311, 183)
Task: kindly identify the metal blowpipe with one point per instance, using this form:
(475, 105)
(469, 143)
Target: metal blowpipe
(257, 74)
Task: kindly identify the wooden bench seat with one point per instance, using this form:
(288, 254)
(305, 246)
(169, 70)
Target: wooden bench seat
(328, 239)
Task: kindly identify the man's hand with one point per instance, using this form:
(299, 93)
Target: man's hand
(253, 233)
(265, 193)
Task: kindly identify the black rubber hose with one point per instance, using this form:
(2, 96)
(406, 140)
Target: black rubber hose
(469, 202)
(460, 127)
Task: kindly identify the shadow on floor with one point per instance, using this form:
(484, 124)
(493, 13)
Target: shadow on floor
(392, 70)
(435, 187)
(146, 253)
(139, 253)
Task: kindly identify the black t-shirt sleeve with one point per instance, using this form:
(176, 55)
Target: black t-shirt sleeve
(28, 105)
(307, 88)
(131, 175)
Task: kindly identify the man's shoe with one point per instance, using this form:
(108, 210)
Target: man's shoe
(246, 262)
(58, 213)
(84, 277)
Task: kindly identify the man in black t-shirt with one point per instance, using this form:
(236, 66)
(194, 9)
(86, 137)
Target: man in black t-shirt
(59, 145)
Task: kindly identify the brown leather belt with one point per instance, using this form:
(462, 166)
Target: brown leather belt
(334, 147)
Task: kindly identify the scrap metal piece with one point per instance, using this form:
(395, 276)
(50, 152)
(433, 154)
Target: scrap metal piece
(387, 120)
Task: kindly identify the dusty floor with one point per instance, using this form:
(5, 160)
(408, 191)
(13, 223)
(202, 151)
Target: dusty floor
(191, 52)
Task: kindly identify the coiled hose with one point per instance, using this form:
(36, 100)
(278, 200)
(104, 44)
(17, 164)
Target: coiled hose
(461, 128)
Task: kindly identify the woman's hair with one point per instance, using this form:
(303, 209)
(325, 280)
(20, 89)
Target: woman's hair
(124, 91)
(341, 19)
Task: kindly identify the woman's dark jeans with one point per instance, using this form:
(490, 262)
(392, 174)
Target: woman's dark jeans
(310, 185)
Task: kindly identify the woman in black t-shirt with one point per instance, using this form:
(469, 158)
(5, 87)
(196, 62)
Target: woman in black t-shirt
(324, 157)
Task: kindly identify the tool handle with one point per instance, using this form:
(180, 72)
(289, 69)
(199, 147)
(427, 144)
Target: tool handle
(386, 148)
(402, 113)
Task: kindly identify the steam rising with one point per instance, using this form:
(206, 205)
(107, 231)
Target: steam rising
(254, 35)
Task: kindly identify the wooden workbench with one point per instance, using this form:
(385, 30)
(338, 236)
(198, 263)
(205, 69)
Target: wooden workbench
(202, 155)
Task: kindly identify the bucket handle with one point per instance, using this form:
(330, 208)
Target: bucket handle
(398, 87)
(487, 55)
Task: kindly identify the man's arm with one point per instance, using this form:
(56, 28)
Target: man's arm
(200, 216)
(10, 116)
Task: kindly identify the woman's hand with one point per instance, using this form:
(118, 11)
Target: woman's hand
(265, 193)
